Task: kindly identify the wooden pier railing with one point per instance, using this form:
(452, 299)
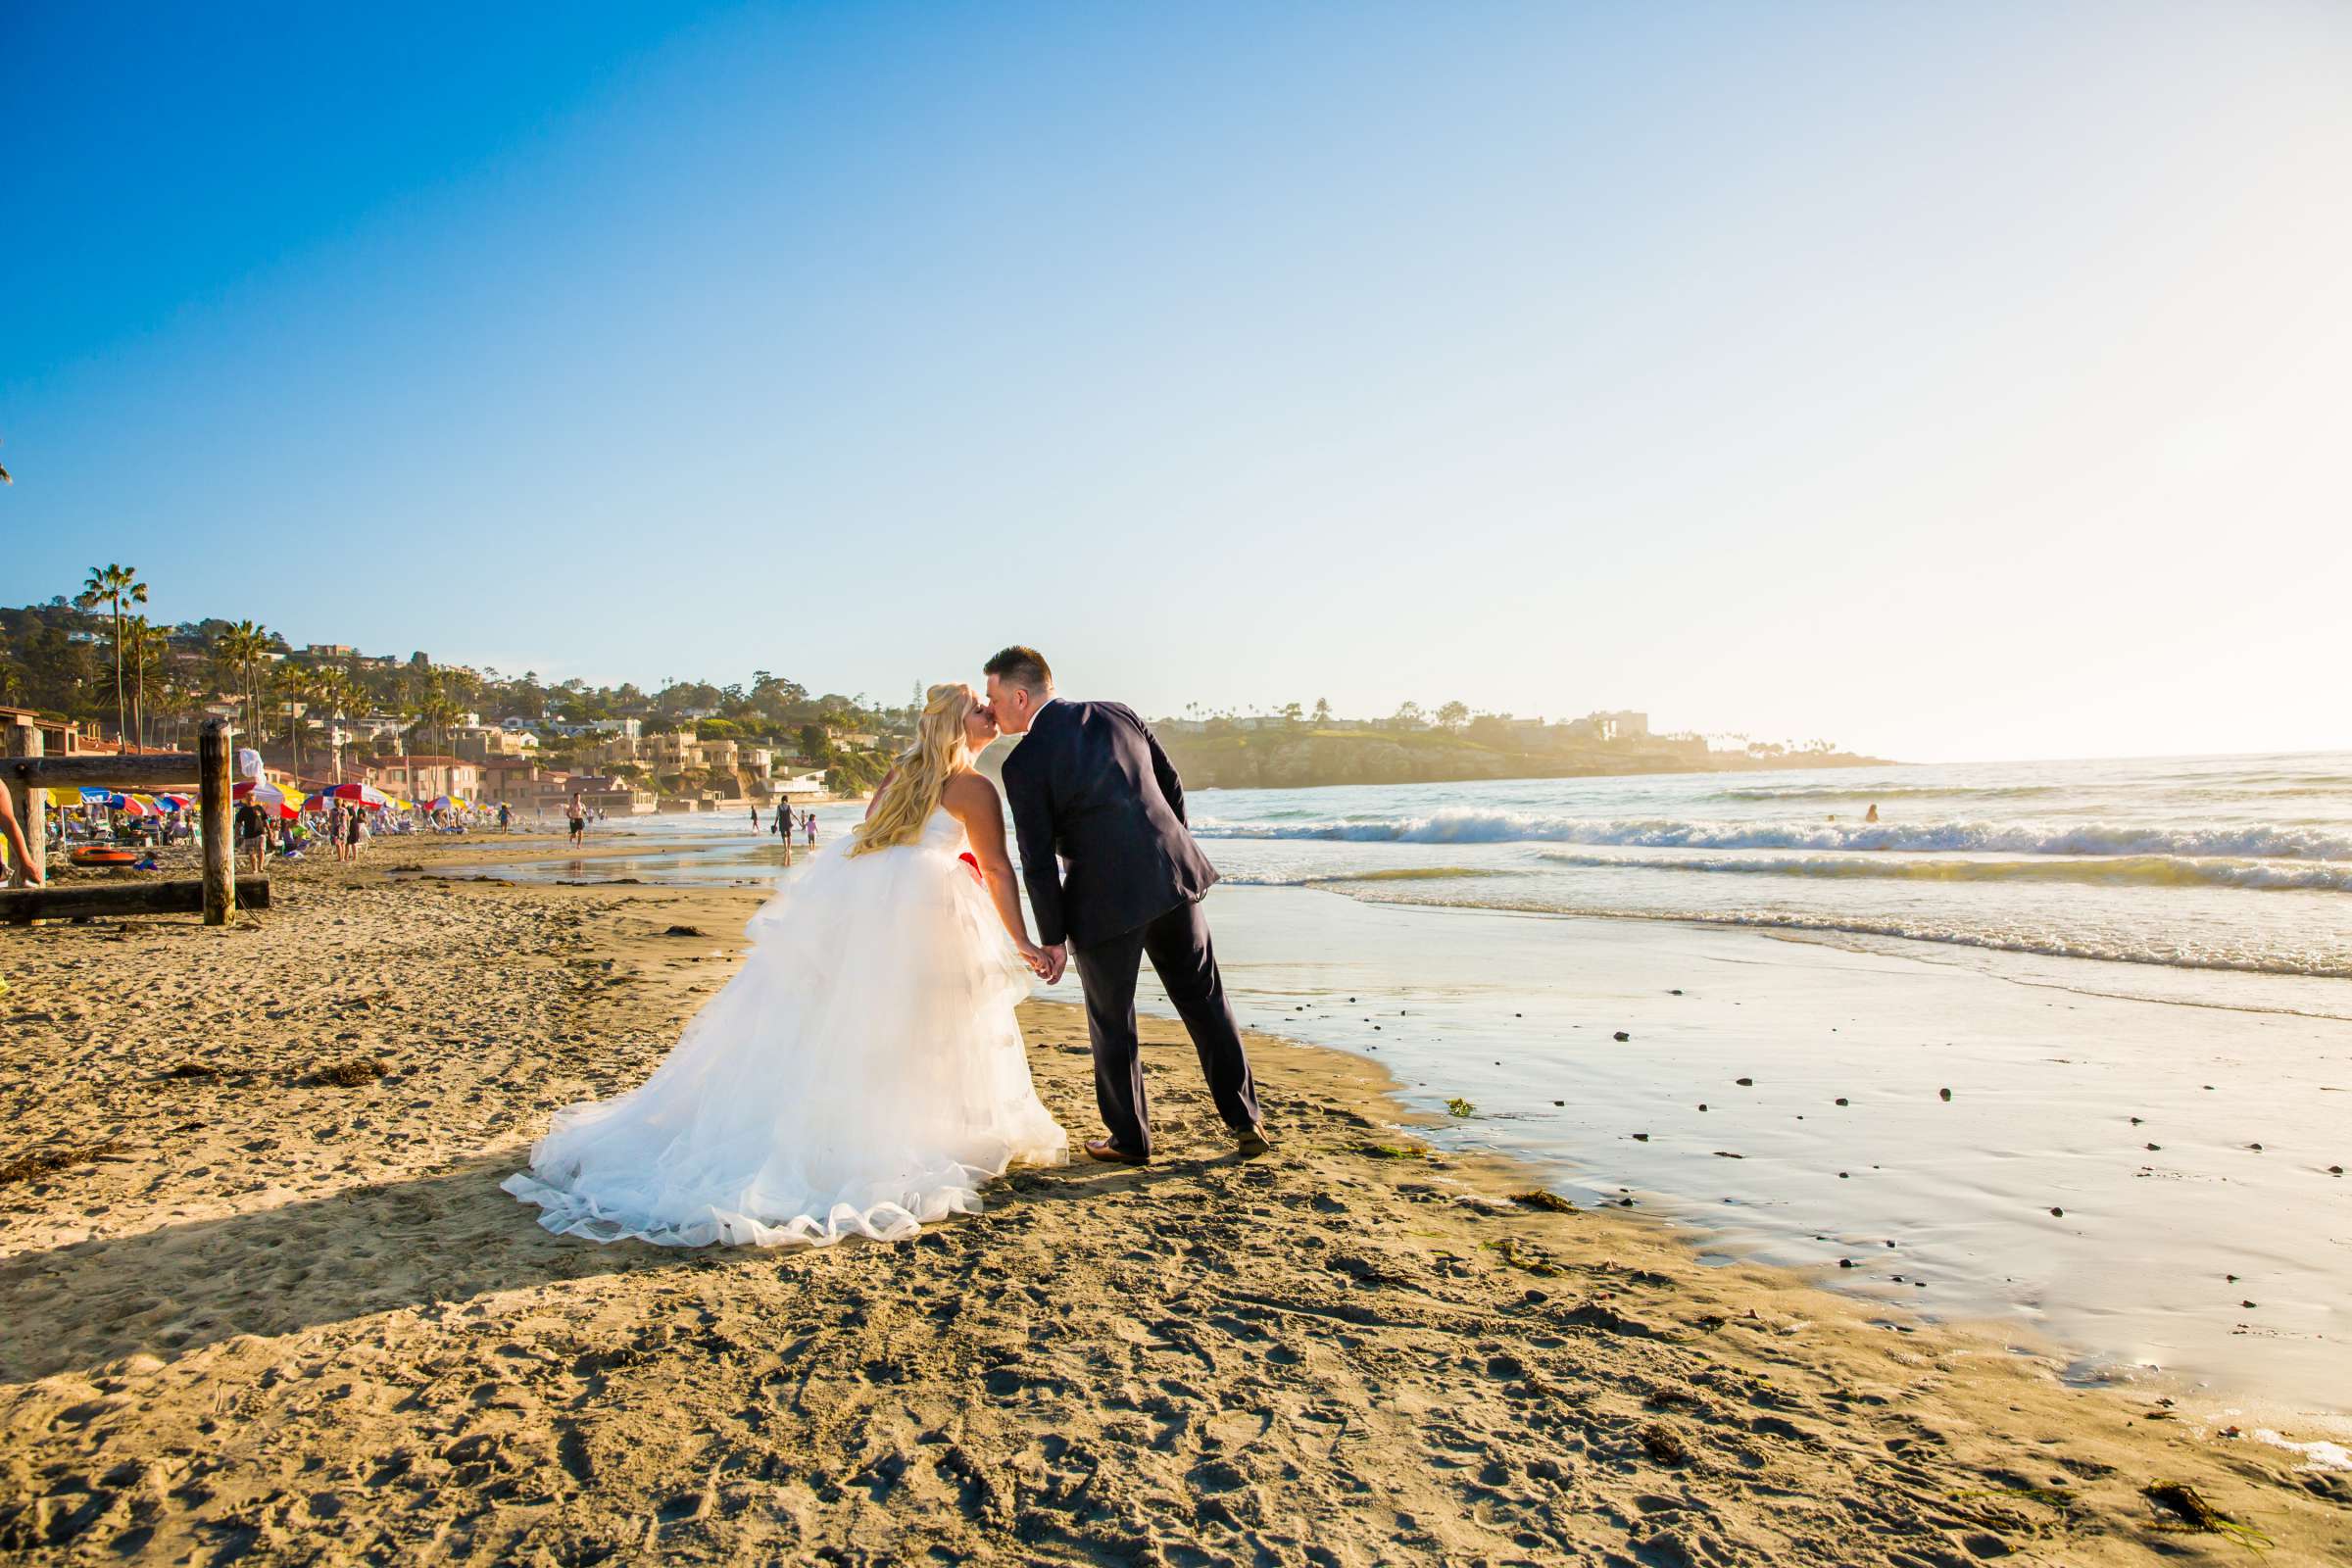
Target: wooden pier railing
(29, 774)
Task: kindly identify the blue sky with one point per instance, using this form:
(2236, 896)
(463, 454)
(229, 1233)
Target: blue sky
(1954, 381)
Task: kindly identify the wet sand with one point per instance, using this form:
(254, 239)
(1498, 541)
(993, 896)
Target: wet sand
(261, 1299)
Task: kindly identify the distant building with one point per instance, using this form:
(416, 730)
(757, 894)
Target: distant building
(613, 796)
(330, 651)
(479, 742)
(377, 726)
(800, 787)
(59, 737)
(421, 778)
(1624, 726)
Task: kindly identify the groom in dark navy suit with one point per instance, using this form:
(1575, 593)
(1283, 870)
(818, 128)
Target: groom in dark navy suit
(1089, 784)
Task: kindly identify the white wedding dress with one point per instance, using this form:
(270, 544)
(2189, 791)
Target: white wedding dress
(863, 1075)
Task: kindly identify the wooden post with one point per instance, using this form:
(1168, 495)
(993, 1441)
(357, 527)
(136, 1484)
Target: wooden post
(212, 789)
(32, 803)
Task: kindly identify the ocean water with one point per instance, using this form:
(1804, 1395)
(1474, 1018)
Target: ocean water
(2238, 863)
(2061, 1046)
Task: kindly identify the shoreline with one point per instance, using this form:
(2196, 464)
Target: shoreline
(1963, 1198)
(268, 1273)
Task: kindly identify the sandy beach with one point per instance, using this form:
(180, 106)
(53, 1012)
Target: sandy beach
(260, 1300)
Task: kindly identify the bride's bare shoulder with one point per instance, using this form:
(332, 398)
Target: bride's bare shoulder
(968, 790)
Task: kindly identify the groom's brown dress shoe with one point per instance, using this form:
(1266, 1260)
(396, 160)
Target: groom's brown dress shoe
(1110, 1154)
(1254, 1140)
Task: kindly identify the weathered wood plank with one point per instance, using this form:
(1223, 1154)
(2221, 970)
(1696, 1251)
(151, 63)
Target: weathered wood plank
(212, 812)
(102, 899)
(151, 770)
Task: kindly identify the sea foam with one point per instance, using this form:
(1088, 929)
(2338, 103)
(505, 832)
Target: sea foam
(1476, 826)
(2145, 870)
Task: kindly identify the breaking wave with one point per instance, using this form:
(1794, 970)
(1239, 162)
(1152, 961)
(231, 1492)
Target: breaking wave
(1472, 826)
(1890, 792)
(2113, 947)
(1406, 873)
(2140, 871)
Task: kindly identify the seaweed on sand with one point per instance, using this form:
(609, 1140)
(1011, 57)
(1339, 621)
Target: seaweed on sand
(49, 1161)
(1520, 1258)
(1549, 1203)
(2198, 1516)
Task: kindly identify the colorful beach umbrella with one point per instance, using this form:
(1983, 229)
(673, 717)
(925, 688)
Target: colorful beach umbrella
(259, 791)
(363, 794)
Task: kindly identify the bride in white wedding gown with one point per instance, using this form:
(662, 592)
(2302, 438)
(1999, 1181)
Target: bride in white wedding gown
(863, 1073)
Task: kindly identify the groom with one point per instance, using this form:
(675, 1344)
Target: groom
(1089, 782)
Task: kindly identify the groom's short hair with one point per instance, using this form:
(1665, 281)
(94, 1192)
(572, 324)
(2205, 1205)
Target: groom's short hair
(1020, 667)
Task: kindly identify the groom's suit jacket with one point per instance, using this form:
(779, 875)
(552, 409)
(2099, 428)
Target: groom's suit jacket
(1089, 784)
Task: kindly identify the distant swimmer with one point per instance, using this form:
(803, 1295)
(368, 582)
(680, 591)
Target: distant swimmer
(1871, 815)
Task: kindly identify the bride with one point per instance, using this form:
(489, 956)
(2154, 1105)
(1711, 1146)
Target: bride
(864, 1074)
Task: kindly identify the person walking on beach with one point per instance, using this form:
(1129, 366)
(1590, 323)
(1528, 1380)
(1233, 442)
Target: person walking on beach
(863, 1072)
(809, 818)
(506, 817)
(1089, 784)
(577, 815)
(755, 818)
(253, 835)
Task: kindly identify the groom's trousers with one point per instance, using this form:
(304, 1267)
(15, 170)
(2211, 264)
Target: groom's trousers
(1180, 954)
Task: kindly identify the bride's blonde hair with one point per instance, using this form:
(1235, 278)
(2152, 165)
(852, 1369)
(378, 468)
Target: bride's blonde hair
(940, 751)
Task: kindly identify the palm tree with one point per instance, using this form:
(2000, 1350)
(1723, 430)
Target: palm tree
(433, 706)
(342, 696)
(114, 587)
(150, 649)
(240, 649)
(178, 704)
(297, 686)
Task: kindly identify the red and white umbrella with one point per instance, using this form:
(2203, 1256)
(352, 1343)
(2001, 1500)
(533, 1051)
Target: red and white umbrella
(363, 794)
(261, 792)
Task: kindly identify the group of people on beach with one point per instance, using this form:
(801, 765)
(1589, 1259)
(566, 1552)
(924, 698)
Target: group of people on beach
(343, 829)
(786, 822)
